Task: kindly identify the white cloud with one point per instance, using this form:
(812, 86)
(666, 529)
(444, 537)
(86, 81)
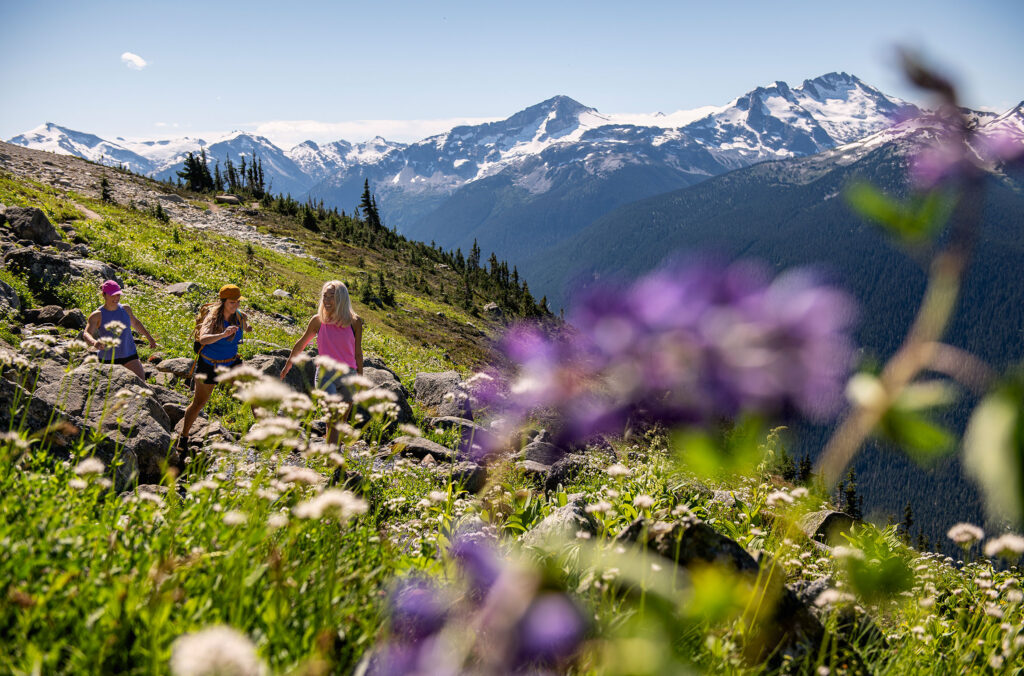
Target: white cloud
(133, 61)
(287, 133)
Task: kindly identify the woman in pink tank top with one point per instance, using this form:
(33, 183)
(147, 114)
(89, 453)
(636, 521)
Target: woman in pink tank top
(339, 336)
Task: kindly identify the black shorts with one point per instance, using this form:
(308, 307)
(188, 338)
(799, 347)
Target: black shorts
(121, 361)
(209, 371)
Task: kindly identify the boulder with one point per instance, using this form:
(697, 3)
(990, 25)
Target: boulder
(181, 288)
(32, 224)
(175, 412)
(563, 472)
(44, 269)
(534, 470)
(387, 380)
(431, 388)
(827, 526)
(562, 523)
(471, 476)
(493, 309)
(226, 199)
(281, 293)
(179, 367)
(73, 319)
(170, 197)
(470, 433)
(50, 314)
(138, 424)
(204, 430)
(418, 447)
(300, 378)
(689, 543)
(543, 452)
(9, 301)
(89, 267)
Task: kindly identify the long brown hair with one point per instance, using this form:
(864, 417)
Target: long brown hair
(210, 319)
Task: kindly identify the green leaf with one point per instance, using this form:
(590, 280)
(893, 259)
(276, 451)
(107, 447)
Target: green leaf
(994, 451)
(912, 222)
(922, 439)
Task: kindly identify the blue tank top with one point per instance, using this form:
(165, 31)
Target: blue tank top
(224, 350)
(126, 348)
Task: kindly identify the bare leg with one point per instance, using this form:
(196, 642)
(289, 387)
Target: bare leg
(202, 395)
(137, 368)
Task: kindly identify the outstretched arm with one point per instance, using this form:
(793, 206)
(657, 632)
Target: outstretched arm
(92, 328)
(357, 329)
(301, 343)
(137, 325)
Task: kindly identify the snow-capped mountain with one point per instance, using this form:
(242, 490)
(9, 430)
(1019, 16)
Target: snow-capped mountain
(57, 139)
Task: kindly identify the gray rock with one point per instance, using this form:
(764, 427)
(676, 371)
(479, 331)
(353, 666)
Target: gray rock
(9, 301)
(226, 199)
(418, 447)
(204, 430)
(88, 267)
(140, 425)
(73, 319)
(690, 543)
(430, 388)
(543, 452)
(170, 197)
(181, 288)
(534, 470)
(31, 223)
(175, 412)
(281, 293)
(827, 526)
(179, 367)
(45, 269)
(471, 434)
(299, 378)
(81, 250)
(471, 476)
(564, 471)
(50, 314)
(387, 380)
(458, 406)
(493, 309)
(63, 246)
(562, 523)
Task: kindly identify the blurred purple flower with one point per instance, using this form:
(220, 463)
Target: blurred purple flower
(687, 345)
(551, 630)
(479, 563)
(959, 152)
(417, 610)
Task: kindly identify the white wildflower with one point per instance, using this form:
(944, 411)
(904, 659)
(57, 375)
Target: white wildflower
(775, 497)
(965, 534)
(599, 507)
(410, 430)
(375, 394)
(204, 484)
(1008, 545)
(115, 328)
(266, 393)
(344, 503)
(78, 484)
(277, 520)
(357, 382)
(291, 474)
(242, 373)
(437, 496)
(235, 518)
(330, 364)
(799, 492)
(215, 651)
(618, 470)
(301, 359)
(842, 552)
(91, 465)
(831, 597)
(643, 501)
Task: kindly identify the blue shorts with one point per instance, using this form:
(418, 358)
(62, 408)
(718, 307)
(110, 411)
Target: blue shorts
(332, 382)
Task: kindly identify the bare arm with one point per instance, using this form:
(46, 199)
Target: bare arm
(92, 329)
(311, 328)
(137, 325)
(207, 338)
(357, 329)
(245, 323)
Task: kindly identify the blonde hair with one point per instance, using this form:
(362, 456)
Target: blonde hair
(335, 305)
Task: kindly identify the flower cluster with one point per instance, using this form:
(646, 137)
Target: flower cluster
(527, 629)
(690, 345)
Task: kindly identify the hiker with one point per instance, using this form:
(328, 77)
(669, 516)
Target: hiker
(339, 335)
(217, 335)
(110, 315)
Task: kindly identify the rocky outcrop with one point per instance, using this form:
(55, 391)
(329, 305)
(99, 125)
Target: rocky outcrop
(565, 471)
(181, 288)
(420, 448)
(562, 523)
(470, 434)
(45, 270)
(543, 452)
(9, 301)
(443, 392)
(32, 224)
(226, 199)
(827, 526)
(387, 380)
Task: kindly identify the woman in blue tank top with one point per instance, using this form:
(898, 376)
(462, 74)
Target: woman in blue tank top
(109, 331)
(219, 335)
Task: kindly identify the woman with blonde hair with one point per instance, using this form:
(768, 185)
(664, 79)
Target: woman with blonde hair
(339, 336)
(217, 335)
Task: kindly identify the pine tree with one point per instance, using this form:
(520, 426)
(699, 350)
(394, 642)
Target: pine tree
(805, 469)
(908, 521)
(854, 502)
(105, 194)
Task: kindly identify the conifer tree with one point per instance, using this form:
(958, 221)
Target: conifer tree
(908, 521)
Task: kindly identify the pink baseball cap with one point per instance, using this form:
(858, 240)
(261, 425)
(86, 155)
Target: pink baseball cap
(111, 288)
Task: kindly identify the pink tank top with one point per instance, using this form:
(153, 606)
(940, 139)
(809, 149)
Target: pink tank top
(337, 342)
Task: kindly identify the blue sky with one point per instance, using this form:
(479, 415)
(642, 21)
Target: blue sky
(329, 70)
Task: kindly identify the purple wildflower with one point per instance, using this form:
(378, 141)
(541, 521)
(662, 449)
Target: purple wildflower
(417, 610)
(689, 345)
(479, 563)
(551, 630)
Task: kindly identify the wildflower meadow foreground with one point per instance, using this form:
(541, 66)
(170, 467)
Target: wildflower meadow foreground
(610, 495)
